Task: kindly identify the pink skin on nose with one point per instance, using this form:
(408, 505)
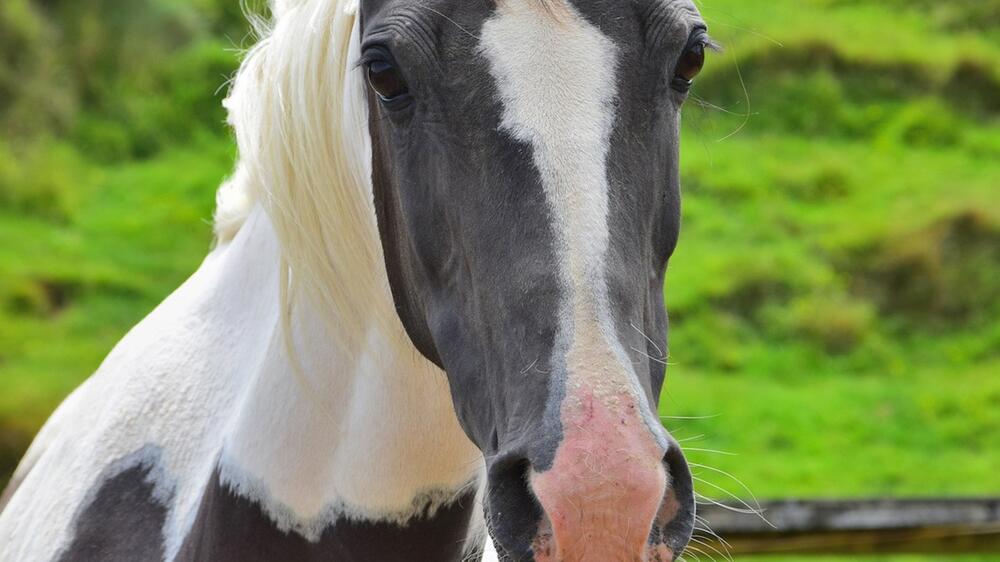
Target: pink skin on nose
(605, 486)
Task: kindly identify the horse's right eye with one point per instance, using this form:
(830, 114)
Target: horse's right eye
(386, 80)
(691, 62)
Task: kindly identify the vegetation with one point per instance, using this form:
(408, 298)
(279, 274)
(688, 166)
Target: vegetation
(836, 292)
(112, 140)
(834, 300)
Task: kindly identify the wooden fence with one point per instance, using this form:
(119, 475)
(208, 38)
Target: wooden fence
(853, 527)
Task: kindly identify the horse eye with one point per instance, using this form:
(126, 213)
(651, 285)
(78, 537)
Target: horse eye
(386, 80)
(691, 62)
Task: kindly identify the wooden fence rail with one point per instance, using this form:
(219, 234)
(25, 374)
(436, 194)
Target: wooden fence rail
(883, 526)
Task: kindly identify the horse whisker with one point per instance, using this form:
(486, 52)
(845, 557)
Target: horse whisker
(735, 479)
(647, 356)
(716, 451)
(651, 342)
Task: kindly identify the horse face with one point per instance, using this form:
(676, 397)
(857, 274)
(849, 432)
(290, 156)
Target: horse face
(525, 168)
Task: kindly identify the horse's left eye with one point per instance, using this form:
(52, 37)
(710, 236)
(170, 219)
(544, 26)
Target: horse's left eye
(691, 62)
(386, 80)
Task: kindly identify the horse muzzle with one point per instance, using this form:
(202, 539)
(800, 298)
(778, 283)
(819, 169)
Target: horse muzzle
(611, 493)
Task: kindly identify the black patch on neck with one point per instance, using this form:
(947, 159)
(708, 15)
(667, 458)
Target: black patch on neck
(231, 528)
(124, 522)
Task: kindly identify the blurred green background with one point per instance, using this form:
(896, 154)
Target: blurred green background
(834, 299)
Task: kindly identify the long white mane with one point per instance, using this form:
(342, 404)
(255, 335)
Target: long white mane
(298, 109)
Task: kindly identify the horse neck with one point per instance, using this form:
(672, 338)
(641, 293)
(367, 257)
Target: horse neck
(366, 432)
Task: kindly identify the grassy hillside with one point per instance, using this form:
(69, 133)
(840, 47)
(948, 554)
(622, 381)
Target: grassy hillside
(836, 293)
(112, 139)
(835, 297)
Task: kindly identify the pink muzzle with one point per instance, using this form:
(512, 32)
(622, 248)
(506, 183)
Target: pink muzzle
(606, 487)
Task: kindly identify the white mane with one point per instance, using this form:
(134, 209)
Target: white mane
(298, 110)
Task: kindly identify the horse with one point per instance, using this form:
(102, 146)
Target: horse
(431, 327)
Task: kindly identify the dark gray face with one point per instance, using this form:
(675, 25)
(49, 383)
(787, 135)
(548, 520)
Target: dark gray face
(525, 175)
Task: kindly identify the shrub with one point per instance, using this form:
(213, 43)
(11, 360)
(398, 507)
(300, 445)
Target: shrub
(40, 179)
(942, 275)
(835, 322)
(924, 123)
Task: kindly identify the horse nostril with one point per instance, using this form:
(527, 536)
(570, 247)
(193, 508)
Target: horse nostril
(512, 510)
(675, 521)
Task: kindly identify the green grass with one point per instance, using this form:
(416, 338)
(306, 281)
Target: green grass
(835, 295)
(928, 432)
(836, 291)
(834, 300)
(69, 290)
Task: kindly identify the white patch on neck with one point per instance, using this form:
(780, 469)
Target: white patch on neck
(556, 75)
(204, 381)
(371, 428)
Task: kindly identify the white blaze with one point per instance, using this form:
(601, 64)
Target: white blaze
(556, 75)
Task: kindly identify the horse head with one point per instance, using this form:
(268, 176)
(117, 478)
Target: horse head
(525, 175)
